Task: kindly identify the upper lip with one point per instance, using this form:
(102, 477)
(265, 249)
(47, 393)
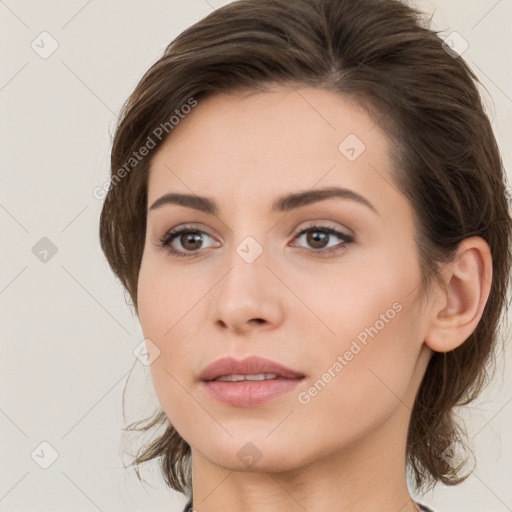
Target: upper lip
(252, 365)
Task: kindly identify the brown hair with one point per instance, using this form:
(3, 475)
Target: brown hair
(381, 54)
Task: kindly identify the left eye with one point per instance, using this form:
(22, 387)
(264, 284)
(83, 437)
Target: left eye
(318, 237)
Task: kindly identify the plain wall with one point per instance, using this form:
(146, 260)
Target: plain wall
(67, 334)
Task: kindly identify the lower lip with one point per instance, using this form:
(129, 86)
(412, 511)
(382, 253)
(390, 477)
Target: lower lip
(248, 393)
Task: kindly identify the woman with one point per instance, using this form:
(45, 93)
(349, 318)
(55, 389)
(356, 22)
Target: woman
(308, 211)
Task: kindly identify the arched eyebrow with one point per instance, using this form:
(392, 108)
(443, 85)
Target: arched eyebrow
(282, 204)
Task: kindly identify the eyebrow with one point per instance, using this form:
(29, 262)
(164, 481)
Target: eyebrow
(282, 204)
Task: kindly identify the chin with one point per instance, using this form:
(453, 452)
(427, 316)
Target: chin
(241, 454)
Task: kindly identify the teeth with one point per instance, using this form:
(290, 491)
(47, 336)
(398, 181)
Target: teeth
(236, 378)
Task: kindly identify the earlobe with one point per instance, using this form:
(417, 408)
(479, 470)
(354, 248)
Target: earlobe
(460, 304)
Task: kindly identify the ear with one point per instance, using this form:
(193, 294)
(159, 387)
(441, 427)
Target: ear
(458, 307)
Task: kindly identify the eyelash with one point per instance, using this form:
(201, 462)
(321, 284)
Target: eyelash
(172, 234)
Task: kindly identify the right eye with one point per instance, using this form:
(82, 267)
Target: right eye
(189, 238)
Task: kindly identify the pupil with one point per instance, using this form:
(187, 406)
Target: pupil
(317, 236)
(194, 239)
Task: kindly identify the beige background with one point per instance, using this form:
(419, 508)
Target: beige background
(67, 334)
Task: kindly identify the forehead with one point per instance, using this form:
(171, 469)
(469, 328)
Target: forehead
(272, 140)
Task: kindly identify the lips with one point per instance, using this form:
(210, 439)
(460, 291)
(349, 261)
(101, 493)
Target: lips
(273, 380)
(250, 366)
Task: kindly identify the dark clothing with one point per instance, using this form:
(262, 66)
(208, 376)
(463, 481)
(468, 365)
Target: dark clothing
(188, 507)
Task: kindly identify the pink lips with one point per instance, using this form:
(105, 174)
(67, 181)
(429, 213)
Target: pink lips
(248, 393)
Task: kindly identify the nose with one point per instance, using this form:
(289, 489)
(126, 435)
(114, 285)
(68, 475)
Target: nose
(248, 297)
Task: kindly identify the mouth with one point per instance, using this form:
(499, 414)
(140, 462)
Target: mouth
(250, 368)
(239, 378)
(250, 382)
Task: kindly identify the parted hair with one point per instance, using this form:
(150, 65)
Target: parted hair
(383, 55)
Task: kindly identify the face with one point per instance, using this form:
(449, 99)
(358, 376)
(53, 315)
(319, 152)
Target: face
(325, 285)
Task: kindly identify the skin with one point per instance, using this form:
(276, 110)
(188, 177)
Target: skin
(345, 449)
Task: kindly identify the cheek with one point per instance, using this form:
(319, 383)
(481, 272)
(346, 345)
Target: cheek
(368, 328)
(168, 306)
(361, 378)
(359, 302)
(165, 298)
